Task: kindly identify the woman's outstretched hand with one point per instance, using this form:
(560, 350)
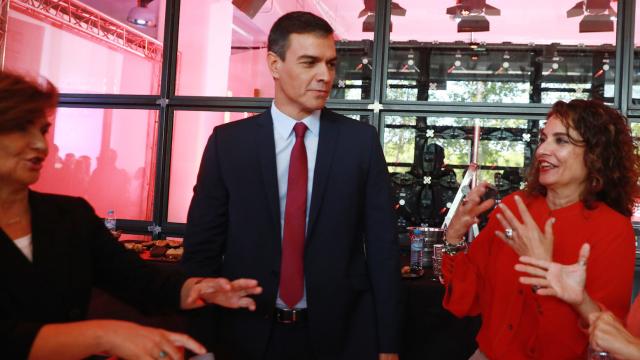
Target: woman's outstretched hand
(565, 282)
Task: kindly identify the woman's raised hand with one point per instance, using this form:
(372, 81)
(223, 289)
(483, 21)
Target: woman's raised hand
(467, 213)
(525, 237)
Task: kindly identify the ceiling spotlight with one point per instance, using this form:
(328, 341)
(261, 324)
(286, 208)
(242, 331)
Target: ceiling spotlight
(599, 15)
(605, 66)
(504, 67)
(364, 62)
(249, 7)
(410, 66)
(505, 58)
(369, 11)
(550, 55)
(470, 15)
(141, 15)
(457, 63)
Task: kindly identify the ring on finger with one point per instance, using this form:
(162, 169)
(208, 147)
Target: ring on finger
(163, 354)
(508, 233)
(535, 288)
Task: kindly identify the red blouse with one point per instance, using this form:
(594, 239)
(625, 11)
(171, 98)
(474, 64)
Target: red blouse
(518, 324)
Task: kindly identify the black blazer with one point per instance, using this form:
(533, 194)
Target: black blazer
(72, 251)
(351, 258)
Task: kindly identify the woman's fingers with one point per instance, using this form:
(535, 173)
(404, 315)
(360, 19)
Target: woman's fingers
(537, 281)
(584, 254)
(178, 339)
(510, 219)
(543, 264)
(527, 219)
(505, 224)
(548, 228)
(532, 270)
(546, 291)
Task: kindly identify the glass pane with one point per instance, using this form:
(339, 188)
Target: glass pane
(428, 157)
(635, 130)
(223, 45)
(191, 130)
(87, 46)
(399, 145)
(502, 51)
(106, 156)
(364, 117)
(635, 77)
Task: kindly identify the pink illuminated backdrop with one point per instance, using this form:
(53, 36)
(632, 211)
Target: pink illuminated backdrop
(221, 53)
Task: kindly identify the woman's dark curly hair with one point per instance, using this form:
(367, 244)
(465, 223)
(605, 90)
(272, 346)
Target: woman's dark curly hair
(613, 166)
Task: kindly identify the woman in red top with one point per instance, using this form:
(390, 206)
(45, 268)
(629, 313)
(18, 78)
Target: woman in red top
(580, 189)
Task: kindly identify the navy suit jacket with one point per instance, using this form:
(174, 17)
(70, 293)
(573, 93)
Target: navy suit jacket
(351, 260)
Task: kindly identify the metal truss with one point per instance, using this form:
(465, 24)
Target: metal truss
(4, 15)
(73, 14)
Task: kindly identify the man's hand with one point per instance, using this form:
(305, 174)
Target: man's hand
(197, 292)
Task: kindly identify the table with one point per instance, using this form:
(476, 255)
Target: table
(430, 331)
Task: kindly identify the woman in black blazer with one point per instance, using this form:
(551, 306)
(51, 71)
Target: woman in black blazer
(54, 249)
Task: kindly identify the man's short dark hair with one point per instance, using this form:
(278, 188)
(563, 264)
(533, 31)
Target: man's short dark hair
(296, 22)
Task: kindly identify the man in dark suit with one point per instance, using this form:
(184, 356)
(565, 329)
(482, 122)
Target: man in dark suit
(298, 198)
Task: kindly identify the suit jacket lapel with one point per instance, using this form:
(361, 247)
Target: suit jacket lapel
(267, 154)
(329, 132)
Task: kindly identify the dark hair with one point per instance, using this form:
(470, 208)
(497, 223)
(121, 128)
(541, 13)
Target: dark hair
(296, 22)
(24, 101)
(613, 166)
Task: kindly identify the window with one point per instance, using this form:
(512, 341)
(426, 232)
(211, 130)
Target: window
(106, 156)
(506, 52)
(85, 46)
(223, 47)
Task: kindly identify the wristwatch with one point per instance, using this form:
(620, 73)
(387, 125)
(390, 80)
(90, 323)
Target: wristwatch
(452, 249)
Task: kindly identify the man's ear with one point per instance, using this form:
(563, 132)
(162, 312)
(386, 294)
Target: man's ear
(274, 61)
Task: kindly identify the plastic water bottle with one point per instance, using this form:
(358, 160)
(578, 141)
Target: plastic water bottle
(417, 245)
(110, 220)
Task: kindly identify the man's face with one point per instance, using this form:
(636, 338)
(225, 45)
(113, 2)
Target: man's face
(303, 79)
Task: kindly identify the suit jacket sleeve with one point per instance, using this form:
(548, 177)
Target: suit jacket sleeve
(382, 248)
(207, 219)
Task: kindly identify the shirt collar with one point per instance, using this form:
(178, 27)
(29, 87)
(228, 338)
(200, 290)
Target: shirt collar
(283, 124)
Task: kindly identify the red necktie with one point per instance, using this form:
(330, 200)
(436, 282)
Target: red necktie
(291, 268)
